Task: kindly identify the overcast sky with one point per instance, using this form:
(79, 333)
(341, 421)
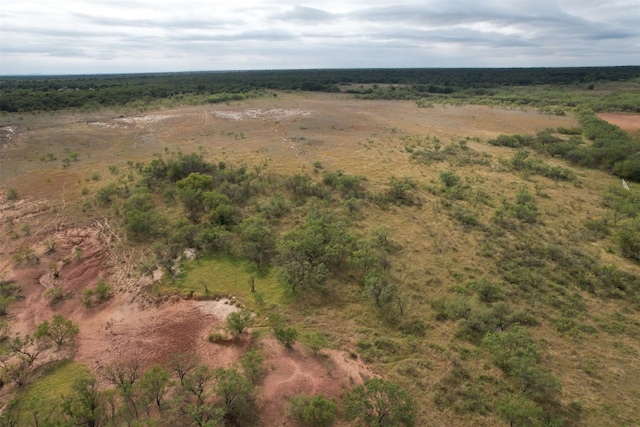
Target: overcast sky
(118, 36)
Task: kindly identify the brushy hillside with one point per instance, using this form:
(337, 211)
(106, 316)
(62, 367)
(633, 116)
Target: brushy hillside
(493, 279)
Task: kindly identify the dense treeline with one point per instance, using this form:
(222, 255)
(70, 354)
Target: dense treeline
(612, 149)
(49, 93)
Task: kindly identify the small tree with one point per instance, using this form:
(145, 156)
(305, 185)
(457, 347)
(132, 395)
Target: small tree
(251, 363)
(61, 331)
(83, 406)
(235, 392)
(17, 371)
(518, 411)
(379, 403)
(257, 240)
(286, 335)
(154, 384)
(238, 321)
(197, 382)
(181, 364)
(315, 341)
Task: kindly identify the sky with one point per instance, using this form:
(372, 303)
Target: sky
(132, 36)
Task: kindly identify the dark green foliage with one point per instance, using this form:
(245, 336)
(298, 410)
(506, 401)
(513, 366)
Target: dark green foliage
(310, 252)
(519, 357)
(48, 93)
(83, 406)
(487, 290)
(315, 341)
(316, 411)
(523, 162)
(523, 209)
(101, 293)
(286, 335)
(104, 195)
(258, 242)
(612, 150)
(349, 186)
(379, 403)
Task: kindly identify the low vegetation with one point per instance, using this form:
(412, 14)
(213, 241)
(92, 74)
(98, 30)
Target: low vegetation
(468, 273)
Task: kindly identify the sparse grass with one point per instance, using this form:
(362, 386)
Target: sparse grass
(42, 398)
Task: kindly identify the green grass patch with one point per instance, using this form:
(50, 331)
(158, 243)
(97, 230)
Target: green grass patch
(225, 276)
(41, 399)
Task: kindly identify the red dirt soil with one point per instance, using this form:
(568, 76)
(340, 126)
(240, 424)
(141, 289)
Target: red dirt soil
(626, 121)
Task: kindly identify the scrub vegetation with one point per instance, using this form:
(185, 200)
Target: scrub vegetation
(482, 280)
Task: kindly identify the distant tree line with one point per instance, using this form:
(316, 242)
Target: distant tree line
(50, 93)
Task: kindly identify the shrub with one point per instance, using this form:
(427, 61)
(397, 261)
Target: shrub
(316, 411)
(286, 335)
(54, 295)
(103, 291)
(629, 240)
(315, 341)
(12, 194)
(378, 402)
(238, 321)
(215, 338)
(449, 179)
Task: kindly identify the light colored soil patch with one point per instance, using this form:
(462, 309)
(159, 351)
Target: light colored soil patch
(220, 308)
(626, 121)
(271, 114)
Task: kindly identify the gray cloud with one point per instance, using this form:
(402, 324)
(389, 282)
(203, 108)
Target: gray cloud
(306, 15)
(140, 35)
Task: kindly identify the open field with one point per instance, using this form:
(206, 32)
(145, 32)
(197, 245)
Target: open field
(458, 230)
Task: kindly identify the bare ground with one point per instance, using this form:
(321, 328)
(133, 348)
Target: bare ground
(626, 121)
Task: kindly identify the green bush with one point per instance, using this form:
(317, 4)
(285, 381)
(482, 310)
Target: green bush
(286, 335)
(12, 194)
(629, 239)
(316, 411)
(379, 403)
(238, 321)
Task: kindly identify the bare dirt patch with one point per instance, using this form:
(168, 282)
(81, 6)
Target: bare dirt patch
(292, 371)
(626, 121)
(253, 113)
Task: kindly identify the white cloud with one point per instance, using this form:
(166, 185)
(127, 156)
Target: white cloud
(104, 36)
